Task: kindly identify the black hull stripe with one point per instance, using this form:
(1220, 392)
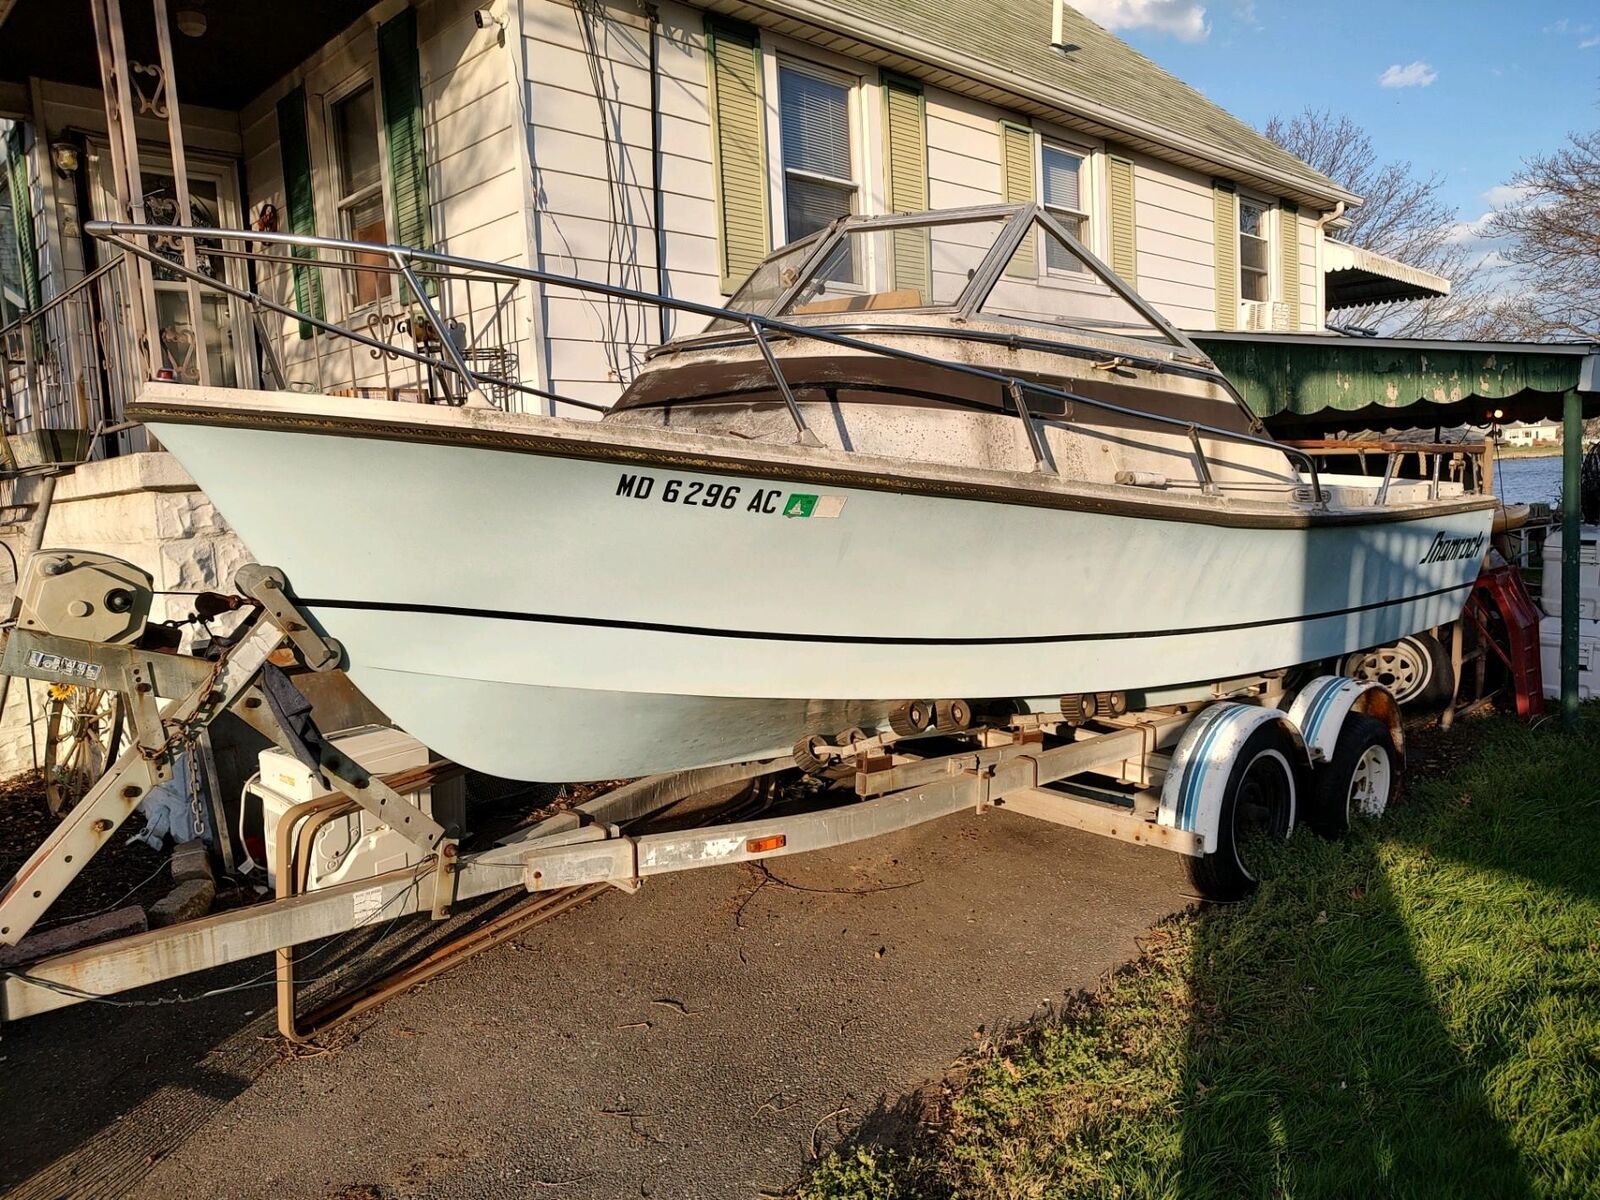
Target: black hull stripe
(756, 635)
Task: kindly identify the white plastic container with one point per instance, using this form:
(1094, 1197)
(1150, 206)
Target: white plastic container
(1588, 657)
(357, 845)
(1588, 573)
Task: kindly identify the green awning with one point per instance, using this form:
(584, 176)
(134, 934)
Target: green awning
(1318, 379)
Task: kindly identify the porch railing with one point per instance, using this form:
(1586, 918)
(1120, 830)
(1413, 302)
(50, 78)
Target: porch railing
(68, 370)
(423, 326)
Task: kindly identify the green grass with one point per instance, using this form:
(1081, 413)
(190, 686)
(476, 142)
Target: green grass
(1413, 1011)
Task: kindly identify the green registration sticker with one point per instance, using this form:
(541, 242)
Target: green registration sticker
(799, 505)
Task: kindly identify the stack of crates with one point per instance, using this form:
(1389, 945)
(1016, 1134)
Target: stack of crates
(1588, 613)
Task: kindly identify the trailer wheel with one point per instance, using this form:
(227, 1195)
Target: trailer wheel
(1264, 787)
(1359, 780)
(1416, 669)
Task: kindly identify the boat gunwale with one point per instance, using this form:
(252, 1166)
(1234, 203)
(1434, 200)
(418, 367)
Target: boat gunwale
(552, 437)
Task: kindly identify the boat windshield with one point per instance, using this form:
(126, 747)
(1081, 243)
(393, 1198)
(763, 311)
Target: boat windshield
(942, 263)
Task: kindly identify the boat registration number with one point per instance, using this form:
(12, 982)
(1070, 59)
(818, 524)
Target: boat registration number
(695, 493)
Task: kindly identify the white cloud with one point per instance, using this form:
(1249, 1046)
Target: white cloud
(1417, 74)
(1182, 19)
(1589, 43)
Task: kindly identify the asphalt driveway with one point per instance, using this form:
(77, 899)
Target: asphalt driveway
(699, 1038)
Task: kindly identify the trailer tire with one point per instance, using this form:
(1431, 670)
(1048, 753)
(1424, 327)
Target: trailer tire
(1265, 785)
(1358, 780)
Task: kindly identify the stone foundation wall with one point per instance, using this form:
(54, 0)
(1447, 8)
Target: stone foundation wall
(143, 508)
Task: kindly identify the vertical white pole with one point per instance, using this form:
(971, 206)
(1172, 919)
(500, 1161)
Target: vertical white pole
(180, 176)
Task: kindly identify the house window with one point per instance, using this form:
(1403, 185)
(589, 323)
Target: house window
(1252, 250)
(1063, 199)
(358, 164)
(819, 183)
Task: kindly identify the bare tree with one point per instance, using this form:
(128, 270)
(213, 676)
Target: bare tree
(1552, 237)
(1402, 215)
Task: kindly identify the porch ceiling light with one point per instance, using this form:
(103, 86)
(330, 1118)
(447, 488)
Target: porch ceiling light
(191, 22)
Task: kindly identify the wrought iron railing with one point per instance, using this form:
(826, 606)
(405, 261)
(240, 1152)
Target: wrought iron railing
(69, 368)
(439, 328)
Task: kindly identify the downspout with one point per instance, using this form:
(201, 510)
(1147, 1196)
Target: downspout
(657, 195)
(1322, 224)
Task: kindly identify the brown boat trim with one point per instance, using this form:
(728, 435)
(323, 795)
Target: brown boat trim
(659, 457)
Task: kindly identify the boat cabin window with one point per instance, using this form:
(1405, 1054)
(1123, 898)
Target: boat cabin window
(358, 156)
(973, 260)
(1029, 289)
(819, 184)
(1252, 250)
(1063, 175)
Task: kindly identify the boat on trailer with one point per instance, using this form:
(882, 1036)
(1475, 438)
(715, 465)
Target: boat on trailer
(920, 466)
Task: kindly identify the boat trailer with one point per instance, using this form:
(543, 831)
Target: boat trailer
(1193, 773)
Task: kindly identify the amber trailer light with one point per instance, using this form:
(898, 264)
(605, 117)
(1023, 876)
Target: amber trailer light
(761, 845)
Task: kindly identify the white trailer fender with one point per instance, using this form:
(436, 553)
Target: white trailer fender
(1319, 711)
(1191, 796)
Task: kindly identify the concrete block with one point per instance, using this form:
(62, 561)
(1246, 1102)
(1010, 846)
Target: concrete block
(121, 923)
(184, 903)
(191, 861)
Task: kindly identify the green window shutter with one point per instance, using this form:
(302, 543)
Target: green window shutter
(22, 217)
(906, 135)
(738, 149)
(1018, 185)
(1225, 237)
(1119, 188)
(400, 80)
(1289, 261)
(295, 151)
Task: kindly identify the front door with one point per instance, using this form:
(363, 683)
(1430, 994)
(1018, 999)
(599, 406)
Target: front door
(213, 203)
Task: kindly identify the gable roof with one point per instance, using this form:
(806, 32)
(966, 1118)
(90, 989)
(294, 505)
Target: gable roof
(1000, 51)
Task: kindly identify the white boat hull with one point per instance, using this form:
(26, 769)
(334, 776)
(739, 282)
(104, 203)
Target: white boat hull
(548, 617)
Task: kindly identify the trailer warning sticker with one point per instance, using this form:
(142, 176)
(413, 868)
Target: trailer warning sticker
(729, 497)
(60, 663)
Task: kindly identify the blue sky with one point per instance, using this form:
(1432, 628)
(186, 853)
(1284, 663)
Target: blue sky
(1472, 86)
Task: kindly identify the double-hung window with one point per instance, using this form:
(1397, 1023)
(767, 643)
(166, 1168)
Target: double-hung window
(819, 178)
(358, 170)
(1252, 250)
(1064, 199)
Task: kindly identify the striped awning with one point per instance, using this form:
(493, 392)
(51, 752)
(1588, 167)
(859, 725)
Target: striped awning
(1345, 380)
(1355, 277)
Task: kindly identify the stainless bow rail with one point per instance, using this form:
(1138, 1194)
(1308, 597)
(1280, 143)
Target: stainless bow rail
(422, 270)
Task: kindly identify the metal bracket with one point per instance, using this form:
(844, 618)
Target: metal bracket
(269, 587)
(48, 871)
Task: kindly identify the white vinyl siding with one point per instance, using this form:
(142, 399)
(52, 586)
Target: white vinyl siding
(472, 140)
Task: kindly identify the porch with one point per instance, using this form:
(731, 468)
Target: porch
(171, 113)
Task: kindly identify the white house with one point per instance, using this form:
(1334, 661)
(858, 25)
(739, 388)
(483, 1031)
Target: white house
(661, 147)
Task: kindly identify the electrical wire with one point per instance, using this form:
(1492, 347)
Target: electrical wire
(267, 978)
(115, 904)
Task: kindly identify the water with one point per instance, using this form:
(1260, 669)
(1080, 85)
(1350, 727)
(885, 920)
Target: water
(1528, 480)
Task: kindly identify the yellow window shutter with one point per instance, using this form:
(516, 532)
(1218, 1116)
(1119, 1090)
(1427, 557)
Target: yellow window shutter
(738, 149)
(906, 134)
(1119, 188)
(1225, 236)
(1019, 187)
(1289, 262)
